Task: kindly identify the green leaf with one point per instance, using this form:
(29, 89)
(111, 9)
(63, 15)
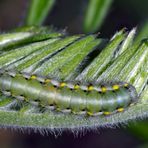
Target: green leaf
(38, 11)
(139, 130)
(95, 14)
(33, 61)
(100, 63)
(132, 69)
(128, 42)
(61, 58)
(16, 54)
(112, 71)
(122, 59)
(41, 63)
(25, 35)
(142, 33)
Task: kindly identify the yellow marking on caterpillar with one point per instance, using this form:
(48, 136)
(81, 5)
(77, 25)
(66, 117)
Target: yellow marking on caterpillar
(63, 84)
(58, 109)
(33, 77)
(104, 89)
(116, 87)
(126, 84)
(47, 80)
(76, 87)
(120, 109)
(106, 113)
(89, 113)
(90, 88)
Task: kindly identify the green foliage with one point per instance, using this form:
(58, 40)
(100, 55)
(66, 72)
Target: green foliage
(38, 11)
(120, 57)
(102, 61)
(25, 35)
(143, 32)
(140, 130)
(47, 52)
(95, 14)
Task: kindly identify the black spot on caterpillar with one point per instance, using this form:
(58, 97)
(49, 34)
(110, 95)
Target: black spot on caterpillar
(68, 97)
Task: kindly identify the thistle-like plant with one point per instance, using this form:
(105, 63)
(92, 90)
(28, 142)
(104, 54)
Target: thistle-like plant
(87, 57)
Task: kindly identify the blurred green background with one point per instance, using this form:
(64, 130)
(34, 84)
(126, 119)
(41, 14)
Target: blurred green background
(74, 16)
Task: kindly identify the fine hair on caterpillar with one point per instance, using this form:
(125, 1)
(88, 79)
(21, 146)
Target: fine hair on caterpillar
(68, 97)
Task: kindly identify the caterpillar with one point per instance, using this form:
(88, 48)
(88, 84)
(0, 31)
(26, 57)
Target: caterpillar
(69, 97)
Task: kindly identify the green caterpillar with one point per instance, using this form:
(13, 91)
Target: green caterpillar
(69, 97)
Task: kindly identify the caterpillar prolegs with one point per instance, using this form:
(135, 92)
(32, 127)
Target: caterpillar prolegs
(69, 97)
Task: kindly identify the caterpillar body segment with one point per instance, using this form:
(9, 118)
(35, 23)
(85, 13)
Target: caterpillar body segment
(72, 97)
